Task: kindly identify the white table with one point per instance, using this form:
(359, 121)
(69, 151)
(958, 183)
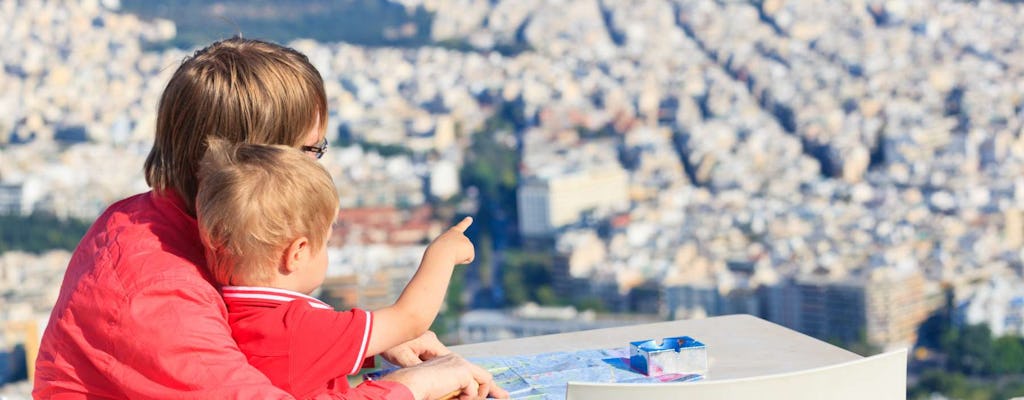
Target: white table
(739, 346)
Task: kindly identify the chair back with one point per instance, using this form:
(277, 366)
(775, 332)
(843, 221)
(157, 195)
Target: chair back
(883, 376)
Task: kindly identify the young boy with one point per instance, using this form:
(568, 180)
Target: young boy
(265, 214)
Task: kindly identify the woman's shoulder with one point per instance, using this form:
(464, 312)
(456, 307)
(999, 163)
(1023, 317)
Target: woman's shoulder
(141, 240)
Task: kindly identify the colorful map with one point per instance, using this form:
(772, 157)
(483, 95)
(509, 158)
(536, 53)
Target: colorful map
(544, 376)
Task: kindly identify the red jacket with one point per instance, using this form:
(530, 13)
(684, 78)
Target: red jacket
(138, 317)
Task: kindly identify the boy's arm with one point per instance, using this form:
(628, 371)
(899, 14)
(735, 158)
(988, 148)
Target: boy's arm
(415, 309)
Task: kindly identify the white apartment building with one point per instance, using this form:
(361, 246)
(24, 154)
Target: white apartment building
(547, 203)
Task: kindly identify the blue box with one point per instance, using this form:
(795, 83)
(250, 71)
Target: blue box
(672, 355)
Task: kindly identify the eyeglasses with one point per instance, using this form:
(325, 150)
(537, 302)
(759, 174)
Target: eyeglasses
(318, 150)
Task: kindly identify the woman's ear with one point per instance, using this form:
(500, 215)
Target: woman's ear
(296, 255)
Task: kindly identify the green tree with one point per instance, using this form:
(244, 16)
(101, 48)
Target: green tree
(492, 167)
(528, 277)
(546, 296)
(1008, 355)
(929, 334)
(1011, 390)
(590, 303)
(40, 232)
(954, 385)
(977, 367)
(969, 350)
(484, 257)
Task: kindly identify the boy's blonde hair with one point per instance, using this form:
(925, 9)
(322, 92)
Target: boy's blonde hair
(253, 201)
(241, 90)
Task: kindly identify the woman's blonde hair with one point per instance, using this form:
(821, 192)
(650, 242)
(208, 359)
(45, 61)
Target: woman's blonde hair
(253, 201)
(241, 90)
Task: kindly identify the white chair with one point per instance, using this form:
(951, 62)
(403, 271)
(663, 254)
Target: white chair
(883, 376)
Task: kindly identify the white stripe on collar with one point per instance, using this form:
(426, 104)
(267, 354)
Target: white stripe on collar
(273, 294)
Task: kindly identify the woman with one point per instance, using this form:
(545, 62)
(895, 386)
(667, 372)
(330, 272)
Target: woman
(137, 315)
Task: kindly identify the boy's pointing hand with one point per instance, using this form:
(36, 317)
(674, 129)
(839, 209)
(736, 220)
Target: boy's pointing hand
(462, 225)
(454, 244)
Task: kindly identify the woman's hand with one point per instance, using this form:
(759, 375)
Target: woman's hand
(440, 376)
(416, 351)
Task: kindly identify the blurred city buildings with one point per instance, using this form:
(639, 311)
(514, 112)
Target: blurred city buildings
(830, 166)
(532, 320)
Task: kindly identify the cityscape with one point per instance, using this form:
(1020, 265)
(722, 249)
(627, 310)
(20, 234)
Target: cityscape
(852, 170)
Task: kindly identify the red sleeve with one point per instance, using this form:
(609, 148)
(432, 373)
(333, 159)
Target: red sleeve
(325, 344)
(372, 390)
(174, 343)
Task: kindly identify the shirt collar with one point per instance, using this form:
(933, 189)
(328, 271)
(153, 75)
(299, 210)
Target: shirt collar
(274, 295)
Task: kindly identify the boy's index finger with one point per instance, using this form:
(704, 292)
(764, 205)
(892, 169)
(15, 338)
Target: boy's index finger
(463, 225)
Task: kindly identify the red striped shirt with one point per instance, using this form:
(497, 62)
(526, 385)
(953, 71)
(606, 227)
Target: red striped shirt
(299, 342)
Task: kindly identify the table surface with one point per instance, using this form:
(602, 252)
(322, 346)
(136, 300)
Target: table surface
(739, 346)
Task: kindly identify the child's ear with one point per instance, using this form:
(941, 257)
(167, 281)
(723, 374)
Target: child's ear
(296, 255)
